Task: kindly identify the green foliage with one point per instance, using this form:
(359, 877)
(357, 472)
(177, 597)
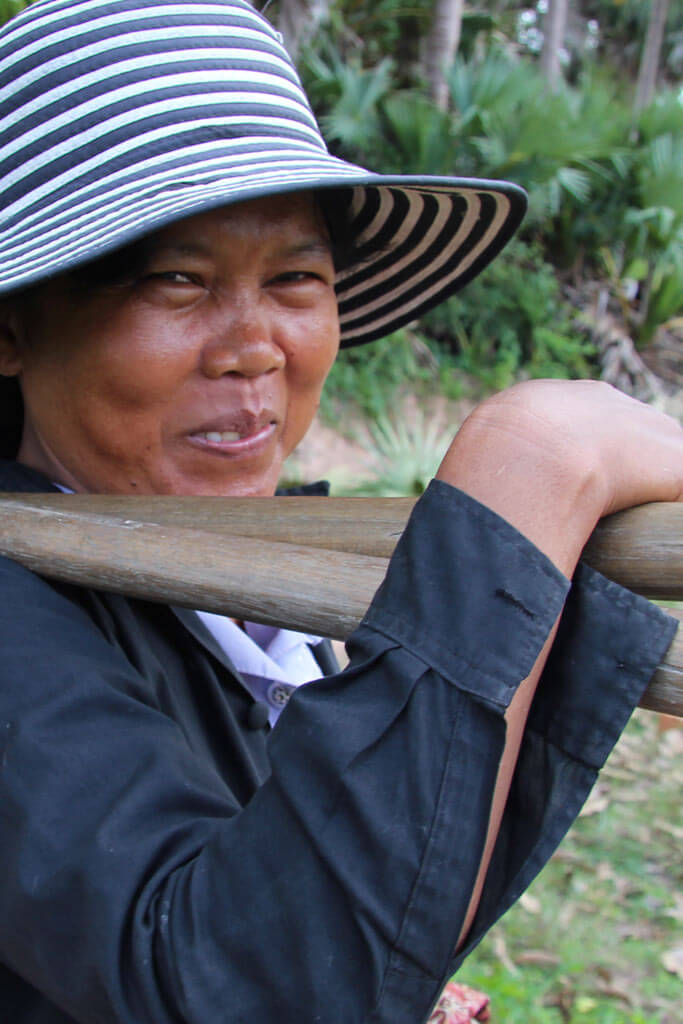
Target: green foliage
(597, 183)
(647, 245)
(659, 173)
(405, 455)
(375, 28)
(660, 270)
(512, 320)
(417, 134)
(558, 146)
(8, 8)
(370, 383)
(350, 96)
(623, 25)
(374, 376)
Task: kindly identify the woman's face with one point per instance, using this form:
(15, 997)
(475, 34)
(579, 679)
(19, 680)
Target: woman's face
(198, 376)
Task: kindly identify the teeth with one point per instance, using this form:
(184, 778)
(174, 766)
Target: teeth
(221, 435)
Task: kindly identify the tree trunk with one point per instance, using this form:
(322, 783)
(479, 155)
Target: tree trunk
(553, 38)
(297, 20)
(442, 46)
(649, 61)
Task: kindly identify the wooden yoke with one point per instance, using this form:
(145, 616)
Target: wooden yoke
(303, 563)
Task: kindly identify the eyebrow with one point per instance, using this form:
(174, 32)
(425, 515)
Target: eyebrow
(176, 249)
(312, 247)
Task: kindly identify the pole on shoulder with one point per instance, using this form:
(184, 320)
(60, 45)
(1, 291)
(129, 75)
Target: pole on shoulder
(303, 563)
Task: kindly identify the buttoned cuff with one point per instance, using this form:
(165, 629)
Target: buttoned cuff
(608, 645)
(469, 595)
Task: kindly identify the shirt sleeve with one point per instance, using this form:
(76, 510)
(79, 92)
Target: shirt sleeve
(134, 889)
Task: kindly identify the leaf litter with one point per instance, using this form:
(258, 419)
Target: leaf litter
(598, 938)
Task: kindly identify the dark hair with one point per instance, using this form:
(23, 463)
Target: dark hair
(11, 417)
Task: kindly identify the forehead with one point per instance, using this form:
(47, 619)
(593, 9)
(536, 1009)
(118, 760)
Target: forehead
(288, 224)
(293, 219)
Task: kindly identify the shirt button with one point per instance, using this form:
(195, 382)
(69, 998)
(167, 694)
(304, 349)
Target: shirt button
(279, 694)
(257, 716)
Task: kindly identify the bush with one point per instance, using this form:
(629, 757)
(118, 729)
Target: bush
(604, 192)
(373, 376)
(512, 321)
(8, 8)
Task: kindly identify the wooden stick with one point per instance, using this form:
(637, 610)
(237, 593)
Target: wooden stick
(641, 548)
(366, 526)
(95, 541)
(306, 588)
(665, 692)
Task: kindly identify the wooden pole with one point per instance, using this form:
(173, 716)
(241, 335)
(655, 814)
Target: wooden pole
(319, 575)
(641, 548)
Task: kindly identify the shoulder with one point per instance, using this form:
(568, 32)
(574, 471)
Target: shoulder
(16, 477)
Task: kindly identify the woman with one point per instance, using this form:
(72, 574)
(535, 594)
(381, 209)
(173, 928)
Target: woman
(180, 258)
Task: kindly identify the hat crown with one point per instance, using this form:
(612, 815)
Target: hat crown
(54, 44)
(98, 85)
(77, 56)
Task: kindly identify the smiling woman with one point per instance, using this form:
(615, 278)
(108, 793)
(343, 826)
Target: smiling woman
(180, 259)
(196, 373)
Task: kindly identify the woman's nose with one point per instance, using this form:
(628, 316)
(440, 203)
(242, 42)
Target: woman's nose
(242, 342)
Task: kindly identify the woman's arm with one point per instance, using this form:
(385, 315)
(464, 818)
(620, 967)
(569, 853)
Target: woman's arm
(552, 459)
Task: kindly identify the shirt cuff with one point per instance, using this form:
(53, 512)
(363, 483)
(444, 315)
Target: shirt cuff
(608, 645)
(469, 595)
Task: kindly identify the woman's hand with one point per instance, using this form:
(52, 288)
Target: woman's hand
(553, 457)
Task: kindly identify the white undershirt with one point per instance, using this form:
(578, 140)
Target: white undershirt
(272, 662)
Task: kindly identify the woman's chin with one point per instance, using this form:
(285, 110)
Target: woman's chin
(242, 485)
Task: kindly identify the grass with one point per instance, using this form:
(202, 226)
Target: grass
(403, 456)
(598, 937)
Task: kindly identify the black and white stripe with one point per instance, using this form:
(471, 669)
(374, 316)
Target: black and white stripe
(120, 116)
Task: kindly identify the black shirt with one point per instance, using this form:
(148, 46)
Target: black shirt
(164, 861)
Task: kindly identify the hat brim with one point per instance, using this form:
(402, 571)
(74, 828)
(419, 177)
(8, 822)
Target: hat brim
(416, 240)
(425, 239)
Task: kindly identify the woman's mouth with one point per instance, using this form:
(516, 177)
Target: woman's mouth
(245, 440)
(216, 436)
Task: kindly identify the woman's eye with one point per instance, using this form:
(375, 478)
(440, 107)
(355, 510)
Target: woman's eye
(293, 275)
(298, 276)
(175, 277)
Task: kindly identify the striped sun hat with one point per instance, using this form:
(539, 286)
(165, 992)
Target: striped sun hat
(120, 116)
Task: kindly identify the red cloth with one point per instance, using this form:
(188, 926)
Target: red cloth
(460, 1004)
